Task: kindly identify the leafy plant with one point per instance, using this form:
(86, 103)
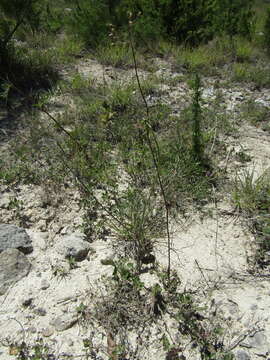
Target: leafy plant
(266, 30)
(72, 263)
(37, 351)
(234, 18)
(245, 72)
(255, 113)
(252, 197)
(89, 21)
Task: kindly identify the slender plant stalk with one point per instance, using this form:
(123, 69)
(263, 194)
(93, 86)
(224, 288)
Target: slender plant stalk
(154, 149)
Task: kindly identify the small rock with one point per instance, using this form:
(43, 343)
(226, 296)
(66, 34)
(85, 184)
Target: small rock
(4, 201)
(242, 355)
(12, 236)
(40, 311)
(48, 331)
(66, 299)
(32, 330)
(259, 342)
(261, 102)
(27, 302)
(64, 322)
(73, 246)
(14, 265)
(42, 225)
(70, 342)
(44, 284)
(65, 230)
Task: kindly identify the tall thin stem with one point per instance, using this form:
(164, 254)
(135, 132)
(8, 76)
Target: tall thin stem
(154, 149)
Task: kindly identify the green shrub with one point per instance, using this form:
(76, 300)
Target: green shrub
(90, 21)
(256, 113)
(233, 17)
(251, 195)
(116, 54)
(24, 68)
(186, 21)
(245, 72)
(16, 14)
(266, 31)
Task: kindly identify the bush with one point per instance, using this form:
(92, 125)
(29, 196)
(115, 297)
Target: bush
(267, 31)
(251, 196)
(16, 14)
(186, 21)
(90, 21)
(22, 68)
(233, 17)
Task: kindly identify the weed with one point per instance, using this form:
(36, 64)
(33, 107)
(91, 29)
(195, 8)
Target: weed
(38, 351)
(243, 157)
(201, 59)
(116, 54)
(72, 263)
(251, 195)
(60, 272)
(241, 72)
(243, 50)
(256, 114)
(16, 207)
(266, 30)
(197, 146)
(244, 72)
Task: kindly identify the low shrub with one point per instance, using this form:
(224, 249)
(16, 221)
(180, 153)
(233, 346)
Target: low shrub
(266, 31)
(251, 195)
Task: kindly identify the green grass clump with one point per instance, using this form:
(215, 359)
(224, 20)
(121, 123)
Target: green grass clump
(254, 74)
(251, 195)
(210, 58)
(256, 114)
(266, 31)
(116, 54)
(202, 59)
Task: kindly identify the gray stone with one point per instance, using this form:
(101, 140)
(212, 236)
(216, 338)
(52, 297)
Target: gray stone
(259, 343)
(73, 246)
(40, 311)
(44, 284)
(4, 201)
(14, 265)
(12, 236)
(27, 302)
(242, 355)
(64, 321)
(48, 331)
(32, 330)
(261, 102)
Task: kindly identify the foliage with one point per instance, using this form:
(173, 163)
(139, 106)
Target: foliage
(89, 20)
(244, 72)
(196, 121)
(252, 197)
(189, 22)
(233, 17)
(266, 30)
(22, 68)
(257, 114)
(38, 351)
